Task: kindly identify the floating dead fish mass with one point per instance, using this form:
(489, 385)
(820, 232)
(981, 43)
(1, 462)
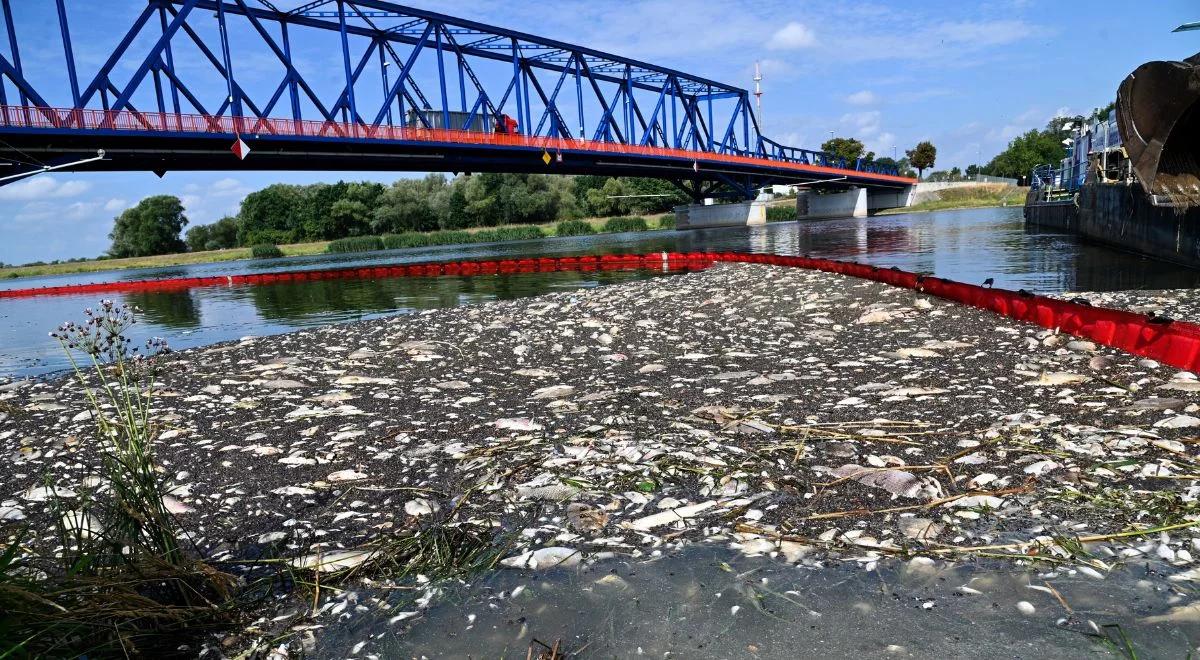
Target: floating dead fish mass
(779, 411)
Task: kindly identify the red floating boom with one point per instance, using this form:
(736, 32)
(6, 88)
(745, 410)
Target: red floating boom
(1176, 343)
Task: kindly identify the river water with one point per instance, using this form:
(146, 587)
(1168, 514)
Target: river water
(969, 245)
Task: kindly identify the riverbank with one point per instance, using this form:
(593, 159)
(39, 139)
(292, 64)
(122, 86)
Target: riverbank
(787, 413)
(968, 197)
(234, 254)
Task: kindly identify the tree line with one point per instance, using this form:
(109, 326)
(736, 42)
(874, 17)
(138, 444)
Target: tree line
(851, 149)
(1040, 147)
(285, 213)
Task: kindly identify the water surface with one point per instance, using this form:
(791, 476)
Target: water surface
(970, 246)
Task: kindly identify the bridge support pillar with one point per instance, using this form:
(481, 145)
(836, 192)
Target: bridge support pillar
(849, 204)
(891, 199)
(703, 216)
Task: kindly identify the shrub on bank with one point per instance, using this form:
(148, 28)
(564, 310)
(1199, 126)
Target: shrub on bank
(355, 244)
(624, 223)
(781, 213)
(573, 228)
(408, 240)
(266, 251)
(508, 234)
(667, 221)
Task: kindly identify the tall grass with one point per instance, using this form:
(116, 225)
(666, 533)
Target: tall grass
(667, 221)
(781, 213)
(427, 239)
(266, 251)
(355, 244)
(573, 228)
(123, 582)
(625, 223)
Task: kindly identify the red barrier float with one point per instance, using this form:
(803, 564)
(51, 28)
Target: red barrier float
(1176, 343)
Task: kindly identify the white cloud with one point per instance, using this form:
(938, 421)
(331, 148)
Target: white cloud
(72, 188)
(862, 125)
(42, 187)
(44, 212)
(882, 145)
(792, 36)
(115, 204)
(771, 68)
(226, 184)
(864, 97)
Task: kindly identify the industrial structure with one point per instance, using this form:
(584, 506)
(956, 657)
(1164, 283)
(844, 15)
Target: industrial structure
(1132, 178)
(372, 85)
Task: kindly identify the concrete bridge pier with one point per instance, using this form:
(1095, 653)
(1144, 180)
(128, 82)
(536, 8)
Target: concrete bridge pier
(852, 203)
(739, 214)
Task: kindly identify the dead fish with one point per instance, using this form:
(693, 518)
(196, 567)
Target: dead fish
(517, 424)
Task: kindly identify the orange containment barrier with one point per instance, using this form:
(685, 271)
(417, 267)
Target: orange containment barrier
(1176, 343)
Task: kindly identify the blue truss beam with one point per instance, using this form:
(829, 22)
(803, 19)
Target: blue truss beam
(638, 103)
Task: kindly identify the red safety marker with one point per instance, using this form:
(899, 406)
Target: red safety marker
(240, 149)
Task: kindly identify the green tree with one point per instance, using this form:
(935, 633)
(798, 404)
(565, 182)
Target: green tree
(197, 238)
(972, 171)
(609, 199)
(316, 220)
(1101, 114)
(349, 215)
(274, 214)
(223, 234)
(581, 184)
(653, 195)
(1033, 148)
(407, 205)
(922, 156)
(152, 227)
(849, 149)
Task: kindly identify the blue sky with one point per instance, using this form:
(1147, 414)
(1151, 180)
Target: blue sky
(967, 75)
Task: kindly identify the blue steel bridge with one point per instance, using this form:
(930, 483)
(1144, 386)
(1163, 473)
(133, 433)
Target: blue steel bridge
(370, 85)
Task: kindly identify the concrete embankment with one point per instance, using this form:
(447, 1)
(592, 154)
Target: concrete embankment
(780, 411)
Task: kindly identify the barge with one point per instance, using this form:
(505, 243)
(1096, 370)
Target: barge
(1131, 179)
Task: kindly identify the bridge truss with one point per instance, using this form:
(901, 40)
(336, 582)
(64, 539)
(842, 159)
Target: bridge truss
(369, 84)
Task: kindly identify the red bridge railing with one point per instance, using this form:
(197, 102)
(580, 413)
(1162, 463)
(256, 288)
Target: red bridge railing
(58, 119)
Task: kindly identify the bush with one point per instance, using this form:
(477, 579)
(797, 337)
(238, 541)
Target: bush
(573, 228)
(406, 240)
(266, 251)
(457, 237)
(624, 223)
(508, 234)
(355, 244)
(781, 213)
(667, 221)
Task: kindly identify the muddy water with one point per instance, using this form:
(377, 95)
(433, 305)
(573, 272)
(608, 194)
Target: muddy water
(706, 602)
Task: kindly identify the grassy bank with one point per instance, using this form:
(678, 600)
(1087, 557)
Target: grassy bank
(473, 235)
(161, 260)
(982, 196)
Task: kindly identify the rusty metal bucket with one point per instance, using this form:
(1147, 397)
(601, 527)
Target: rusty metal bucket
(1158, 115)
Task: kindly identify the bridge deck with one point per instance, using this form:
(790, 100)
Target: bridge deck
(136, 140)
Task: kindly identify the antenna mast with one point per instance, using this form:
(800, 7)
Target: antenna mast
(758, 90)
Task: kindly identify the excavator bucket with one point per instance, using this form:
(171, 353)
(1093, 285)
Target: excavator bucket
(1158, 115)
